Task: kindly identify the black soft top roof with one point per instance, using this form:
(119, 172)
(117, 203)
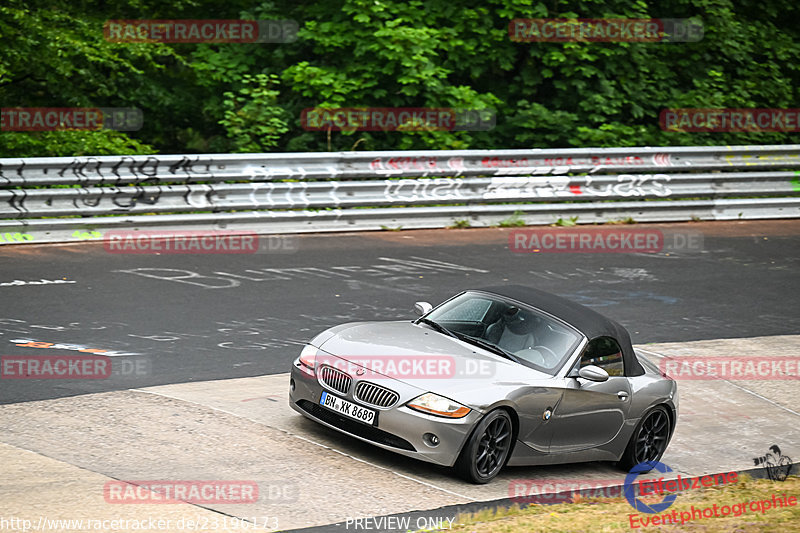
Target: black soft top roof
(587, 321)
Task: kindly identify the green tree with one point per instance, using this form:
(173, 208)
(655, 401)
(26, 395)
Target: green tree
(251, 118)
(357, 53)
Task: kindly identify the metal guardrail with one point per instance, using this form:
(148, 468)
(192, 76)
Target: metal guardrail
(302, 192)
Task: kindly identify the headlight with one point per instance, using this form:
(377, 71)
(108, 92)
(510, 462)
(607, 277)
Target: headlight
(438, 405)
(307, 358)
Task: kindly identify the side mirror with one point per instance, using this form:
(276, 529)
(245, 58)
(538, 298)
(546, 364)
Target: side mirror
(593, 373)
(422, 308)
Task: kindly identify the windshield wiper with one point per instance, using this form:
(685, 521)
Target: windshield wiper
(489, 346)
(438, 327)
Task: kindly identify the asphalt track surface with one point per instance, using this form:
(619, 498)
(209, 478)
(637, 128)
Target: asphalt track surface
(205, 317)
(197, 322)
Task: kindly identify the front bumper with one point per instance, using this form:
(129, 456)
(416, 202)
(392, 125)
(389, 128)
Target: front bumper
(399, 428)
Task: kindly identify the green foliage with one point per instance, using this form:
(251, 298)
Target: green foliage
(70, 143)
(571, 221)
(514, 221)
(252, 119)
(54, 54)
(461, 223)
(356, 53)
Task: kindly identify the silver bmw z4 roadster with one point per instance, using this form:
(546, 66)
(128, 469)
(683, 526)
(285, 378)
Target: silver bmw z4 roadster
(494, 376)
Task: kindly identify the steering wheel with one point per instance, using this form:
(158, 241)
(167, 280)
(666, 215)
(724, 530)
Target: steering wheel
(532, 355)
(548, 352)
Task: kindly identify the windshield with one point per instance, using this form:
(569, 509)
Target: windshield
(531, 336)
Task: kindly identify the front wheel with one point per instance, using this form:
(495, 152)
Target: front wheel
(487, 449)
(649, 440)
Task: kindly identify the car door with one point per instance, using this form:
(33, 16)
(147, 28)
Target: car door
(592, 413)
(533, 404)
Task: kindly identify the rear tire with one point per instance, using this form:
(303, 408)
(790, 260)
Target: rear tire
(649, 440)
(487, 449)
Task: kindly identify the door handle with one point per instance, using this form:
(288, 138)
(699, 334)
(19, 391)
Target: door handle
(622, 395)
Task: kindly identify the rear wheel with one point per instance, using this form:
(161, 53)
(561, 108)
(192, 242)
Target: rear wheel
(649, 440)
(487, 449)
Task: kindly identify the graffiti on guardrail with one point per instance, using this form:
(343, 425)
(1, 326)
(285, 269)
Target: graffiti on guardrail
(629, 185)
(86, 235)
(90, 167)
(288, 172)
(128, 200)
(299, 194)
(15, 237)
(427, 165)
(432, 189)
(527, 187)
(290, 195)
(500, 166)
(140, 170)
(78, 167)
(310, 188)
(186, 165)
(559, 162)
(133, 168)
(407, 164)
(758, 160)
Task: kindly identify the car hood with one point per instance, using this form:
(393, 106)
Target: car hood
(471, 367)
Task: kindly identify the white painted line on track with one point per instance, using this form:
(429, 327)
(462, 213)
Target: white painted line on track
(660, 356)
(431, 485)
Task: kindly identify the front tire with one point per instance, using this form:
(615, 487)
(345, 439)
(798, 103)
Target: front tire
(487, 449)
(649, 440)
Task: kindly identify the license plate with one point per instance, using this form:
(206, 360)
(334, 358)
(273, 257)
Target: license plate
(349, 409)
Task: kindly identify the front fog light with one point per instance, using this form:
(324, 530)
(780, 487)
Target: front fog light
(430, 439)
